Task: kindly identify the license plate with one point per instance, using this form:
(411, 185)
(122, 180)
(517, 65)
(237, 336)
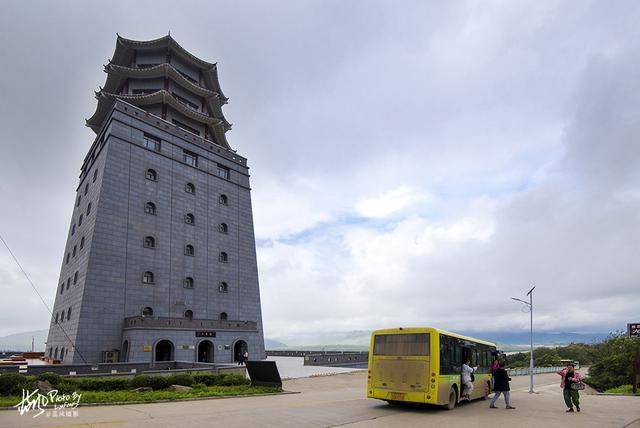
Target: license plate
(397, 396)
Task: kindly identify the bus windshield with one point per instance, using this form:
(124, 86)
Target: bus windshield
(411, 344)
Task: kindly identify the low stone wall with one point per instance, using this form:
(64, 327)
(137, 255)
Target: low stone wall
(288, 353)
(345, 359)
(524, 371)
(124, 369)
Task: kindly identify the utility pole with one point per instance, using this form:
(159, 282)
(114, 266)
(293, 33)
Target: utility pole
(529, 305)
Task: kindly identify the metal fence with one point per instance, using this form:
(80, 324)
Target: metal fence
(524, 371)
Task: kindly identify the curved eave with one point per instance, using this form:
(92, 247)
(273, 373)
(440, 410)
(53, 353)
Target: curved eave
(117, 73)
(216, 111)
(163, 96)
(105, 100)
(212, 82)
(124, 44)
(102, 109)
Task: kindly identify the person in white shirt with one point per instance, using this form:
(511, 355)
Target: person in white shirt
(466, 379)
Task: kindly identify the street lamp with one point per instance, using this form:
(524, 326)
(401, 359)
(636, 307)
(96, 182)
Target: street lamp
(530, 306)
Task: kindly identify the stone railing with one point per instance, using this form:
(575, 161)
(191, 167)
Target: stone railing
(524, 371)
(167, 323)
(331, 359)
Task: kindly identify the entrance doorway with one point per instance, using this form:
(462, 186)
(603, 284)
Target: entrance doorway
(164, 351)
(205, 352)
(238, 350)
(124, 356)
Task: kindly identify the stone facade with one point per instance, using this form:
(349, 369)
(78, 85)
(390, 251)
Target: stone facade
(151, 281)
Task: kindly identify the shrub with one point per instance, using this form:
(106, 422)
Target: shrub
(234, 379)
(53, 378)
(613, 362)
(208, 379)
(180, 379)
(67, 386)
(14, 383)
(155, 382)
(103, 384)
(211, 379)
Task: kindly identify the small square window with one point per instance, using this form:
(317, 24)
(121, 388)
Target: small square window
(151, 142)
(222, 172)
(190, 158)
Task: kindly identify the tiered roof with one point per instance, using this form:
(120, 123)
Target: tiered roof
(119, 70)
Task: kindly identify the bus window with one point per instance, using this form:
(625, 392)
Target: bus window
(401, 344)
(474, 358)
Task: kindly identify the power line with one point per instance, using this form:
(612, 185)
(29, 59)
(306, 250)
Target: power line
(42, 299)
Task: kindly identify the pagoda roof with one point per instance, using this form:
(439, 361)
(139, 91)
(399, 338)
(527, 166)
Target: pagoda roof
(106, 99)
(125, 48)
(118, 74)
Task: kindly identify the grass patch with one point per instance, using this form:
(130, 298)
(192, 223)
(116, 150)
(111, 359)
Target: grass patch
(150, 396)
(624, 389)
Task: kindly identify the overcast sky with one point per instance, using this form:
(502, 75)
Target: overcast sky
(412, 162)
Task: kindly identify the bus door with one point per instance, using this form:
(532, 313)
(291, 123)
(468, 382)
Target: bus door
(466, 355)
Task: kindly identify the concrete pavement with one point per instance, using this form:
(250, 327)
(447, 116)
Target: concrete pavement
(339, 400)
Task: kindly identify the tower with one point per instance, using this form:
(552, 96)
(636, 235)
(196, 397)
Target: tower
(160, 260)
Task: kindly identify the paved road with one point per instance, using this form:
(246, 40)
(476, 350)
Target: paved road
(339, 400)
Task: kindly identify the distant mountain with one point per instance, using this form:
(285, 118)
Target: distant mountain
(270, 344)
(359, 340)
(339, 348)
(318, 340)
(22, 341)
(539, 338)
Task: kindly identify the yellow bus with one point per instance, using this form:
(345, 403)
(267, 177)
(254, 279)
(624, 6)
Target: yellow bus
(423, 365)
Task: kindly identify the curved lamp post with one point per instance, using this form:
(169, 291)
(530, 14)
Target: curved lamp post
(530, 307)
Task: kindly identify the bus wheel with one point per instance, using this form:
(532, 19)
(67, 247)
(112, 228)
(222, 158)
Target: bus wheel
(453, 400)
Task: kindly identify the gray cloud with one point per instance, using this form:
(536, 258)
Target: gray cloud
(519, 121)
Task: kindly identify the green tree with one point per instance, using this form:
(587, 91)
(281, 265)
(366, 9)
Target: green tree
(612, 366)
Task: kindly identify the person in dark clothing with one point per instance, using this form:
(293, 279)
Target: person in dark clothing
(501, 386)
